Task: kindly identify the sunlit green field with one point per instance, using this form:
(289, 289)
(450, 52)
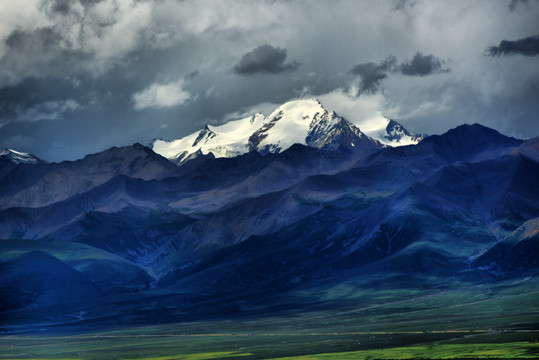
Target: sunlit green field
(517, 350)
(270, 346)
(247, 339)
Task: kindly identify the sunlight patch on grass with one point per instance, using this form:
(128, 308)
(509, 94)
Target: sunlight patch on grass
(520, 350)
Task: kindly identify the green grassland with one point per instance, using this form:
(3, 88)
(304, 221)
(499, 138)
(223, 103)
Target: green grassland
(519, 350)
(268, 346)
(498, 321)
(348, 321)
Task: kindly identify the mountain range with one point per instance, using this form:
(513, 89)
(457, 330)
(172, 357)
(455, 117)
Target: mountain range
(261, 214)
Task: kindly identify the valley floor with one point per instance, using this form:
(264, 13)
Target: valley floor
(490, 322)
(142, 344)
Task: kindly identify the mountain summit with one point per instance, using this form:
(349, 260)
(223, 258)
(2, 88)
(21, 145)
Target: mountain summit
(17, 157)
(391, 133)
(304, 122)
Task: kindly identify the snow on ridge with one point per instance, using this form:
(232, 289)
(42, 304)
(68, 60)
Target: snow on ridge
(226, 140)
(232, 138)
(391, 133)
(18, 157)
(290, 123)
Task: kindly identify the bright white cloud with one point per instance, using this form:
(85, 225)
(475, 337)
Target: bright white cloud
(161, 96)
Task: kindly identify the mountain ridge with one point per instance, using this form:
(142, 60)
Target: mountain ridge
(304, 122)
(17, 157)
(220, 236)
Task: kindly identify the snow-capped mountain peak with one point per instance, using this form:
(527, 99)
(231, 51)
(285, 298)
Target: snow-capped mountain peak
(303, 121)
(289, 124)
(227, 140)
(398, 134)
(391, 133)
(17, 157)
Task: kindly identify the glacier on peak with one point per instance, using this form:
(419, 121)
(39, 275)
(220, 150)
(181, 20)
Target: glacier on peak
(391, 133)
(226, 140)
(304, 122)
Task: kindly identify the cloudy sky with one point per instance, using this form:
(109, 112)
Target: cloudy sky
(79, 76)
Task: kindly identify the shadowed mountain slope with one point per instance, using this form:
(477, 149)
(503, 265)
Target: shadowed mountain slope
(220, 236)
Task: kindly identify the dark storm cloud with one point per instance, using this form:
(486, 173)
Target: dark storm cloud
(75, 38)
(192, 74)
(89, 2)
(422, 65)
(61, 6)
(528, 46)
(38, 53)
(264, 59)
(372, 74)
(401, 5)
(64, 7)
(514, 3)
(36, 40)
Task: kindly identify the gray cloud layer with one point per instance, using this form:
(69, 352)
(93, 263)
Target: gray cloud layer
(372, 74)
(78, 76)
(264, 59)
(528, 46)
